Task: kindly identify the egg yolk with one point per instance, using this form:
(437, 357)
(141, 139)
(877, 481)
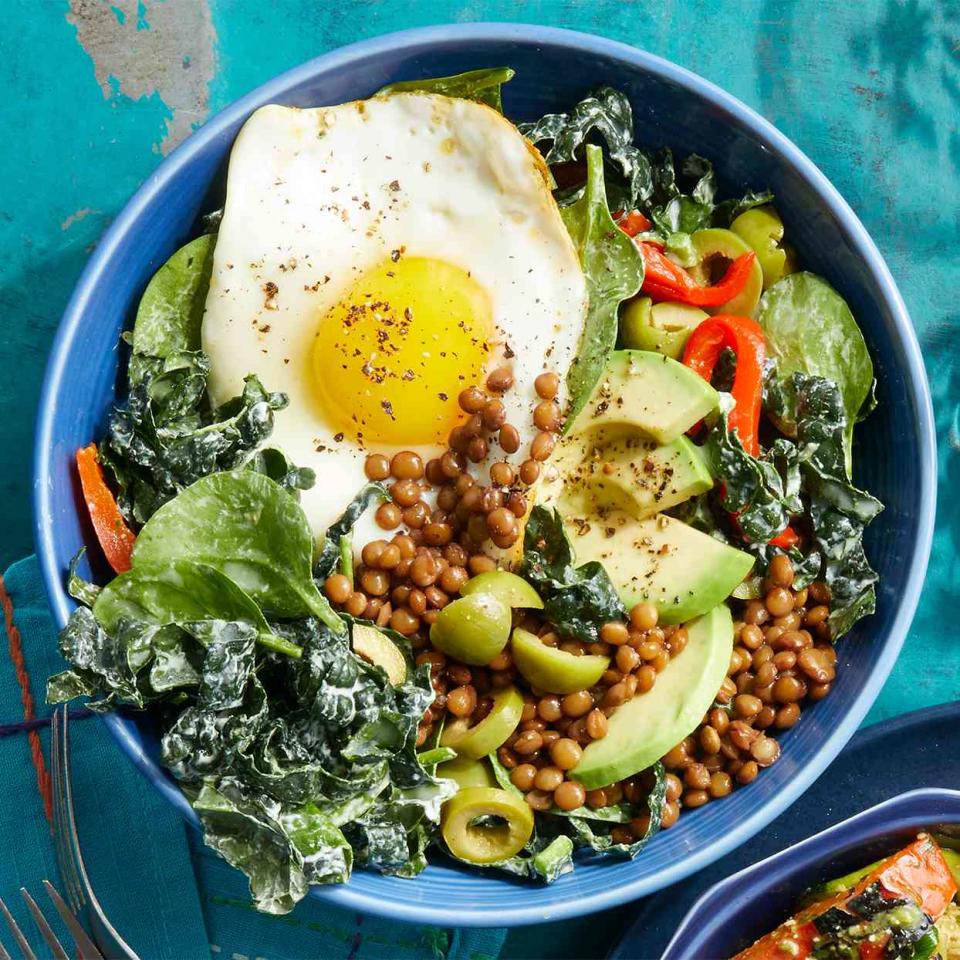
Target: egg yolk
(390, 358)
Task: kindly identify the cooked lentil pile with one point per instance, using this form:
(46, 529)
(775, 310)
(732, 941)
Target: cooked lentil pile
(782, 656)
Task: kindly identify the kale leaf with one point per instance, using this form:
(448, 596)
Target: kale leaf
(330, 552)
(483, 86)
(803, 480)
(678, 199)
(577, 600)
(165, 436)
(608, 114)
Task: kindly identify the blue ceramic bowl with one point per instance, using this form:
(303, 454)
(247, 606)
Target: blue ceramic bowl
(746, 906)
(895, 453)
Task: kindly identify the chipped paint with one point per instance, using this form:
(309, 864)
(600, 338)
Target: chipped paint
(77, 216)
(144, 49)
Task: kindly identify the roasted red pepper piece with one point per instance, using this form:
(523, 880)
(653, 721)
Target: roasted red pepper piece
(664, 280)
(632, 223)
(786, 540)
(116, 538)
(917, 873)
(745, 338)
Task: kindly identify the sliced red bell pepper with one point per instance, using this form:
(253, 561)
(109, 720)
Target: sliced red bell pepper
(632, 223)
(745, 338)
(787, 539)
(917, 873)
(116, 538)
(664, 280)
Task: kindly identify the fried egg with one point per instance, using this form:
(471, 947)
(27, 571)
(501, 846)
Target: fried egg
(373, 260)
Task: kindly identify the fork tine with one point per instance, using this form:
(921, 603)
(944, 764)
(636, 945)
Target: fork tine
(86, 949)
(46, 931)
(64, 848)
(97, 917)
(28, 954)
(3, 954)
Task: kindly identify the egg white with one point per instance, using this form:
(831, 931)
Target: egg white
(316, 196)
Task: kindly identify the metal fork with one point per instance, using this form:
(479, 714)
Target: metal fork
(73, 871)
(84, 946)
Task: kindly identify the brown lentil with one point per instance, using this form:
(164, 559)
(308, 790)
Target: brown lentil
(542, 445)
(547, 385)
(569, 795)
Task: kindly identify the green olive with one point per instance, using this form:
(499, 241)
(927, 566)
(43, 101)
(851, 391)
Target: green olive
(762, 229)
(467, 772)
(716, 247)
(484, 737)
(552, 669)
(507, 587)
(484, 824)
(660, 327)
(473, 629)
(376, 647)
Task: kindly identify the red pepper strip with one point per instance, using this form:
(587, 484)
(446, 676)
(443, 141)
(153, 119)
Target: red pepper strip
(633, 223)
(786, 540)
(745, 338)
(116, 538)
(664, 280)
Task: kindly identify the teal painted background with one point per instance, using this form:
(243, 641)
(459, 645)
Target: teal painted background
(94, 94)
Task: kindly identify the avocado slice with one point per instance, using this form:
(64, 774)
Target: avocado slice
(616, 467)
(377, 648)
(649, 393)
(646, 727)
(715, 247)
(660, 560)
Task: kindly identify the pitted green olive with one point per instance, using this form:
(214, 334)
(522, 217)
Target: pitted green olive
(466, 772)
(484, 737)
(762, 229)
(716, 248)
(552, 669)
(507, 587)
(473, 629)
(484, 824)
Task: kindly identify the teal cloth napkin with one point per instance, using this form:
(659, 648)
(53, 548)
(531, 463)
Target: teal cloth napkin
(166, 894)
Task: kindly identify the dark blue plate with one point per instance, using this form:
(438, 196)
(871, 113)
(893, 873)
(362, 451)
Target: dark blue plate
(919, 749)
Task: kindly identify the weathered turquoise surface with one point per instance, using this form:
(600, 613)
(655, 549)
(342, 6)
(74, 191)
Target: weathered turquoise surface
(95, 94)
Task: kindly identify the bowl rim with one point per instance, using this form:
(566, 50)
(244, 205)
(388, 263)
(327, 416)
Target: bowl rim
(906, 810)
(768, 137)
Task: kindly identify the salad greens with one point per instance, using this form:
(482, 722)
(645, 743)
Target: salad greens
(676, 202)
(248, 528)
(613, 269)
(301, 757)
(171, 308)
(483, 86)
(578, 601)
(810, 329)
(805, 476)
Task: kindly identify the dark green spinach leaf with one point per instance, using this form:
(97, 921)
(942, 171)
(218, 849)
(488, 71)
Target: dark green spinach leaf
(250, 529)
(483, 86)
(171, 308)
(810, 329)
(578, 601)
(613, 269)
